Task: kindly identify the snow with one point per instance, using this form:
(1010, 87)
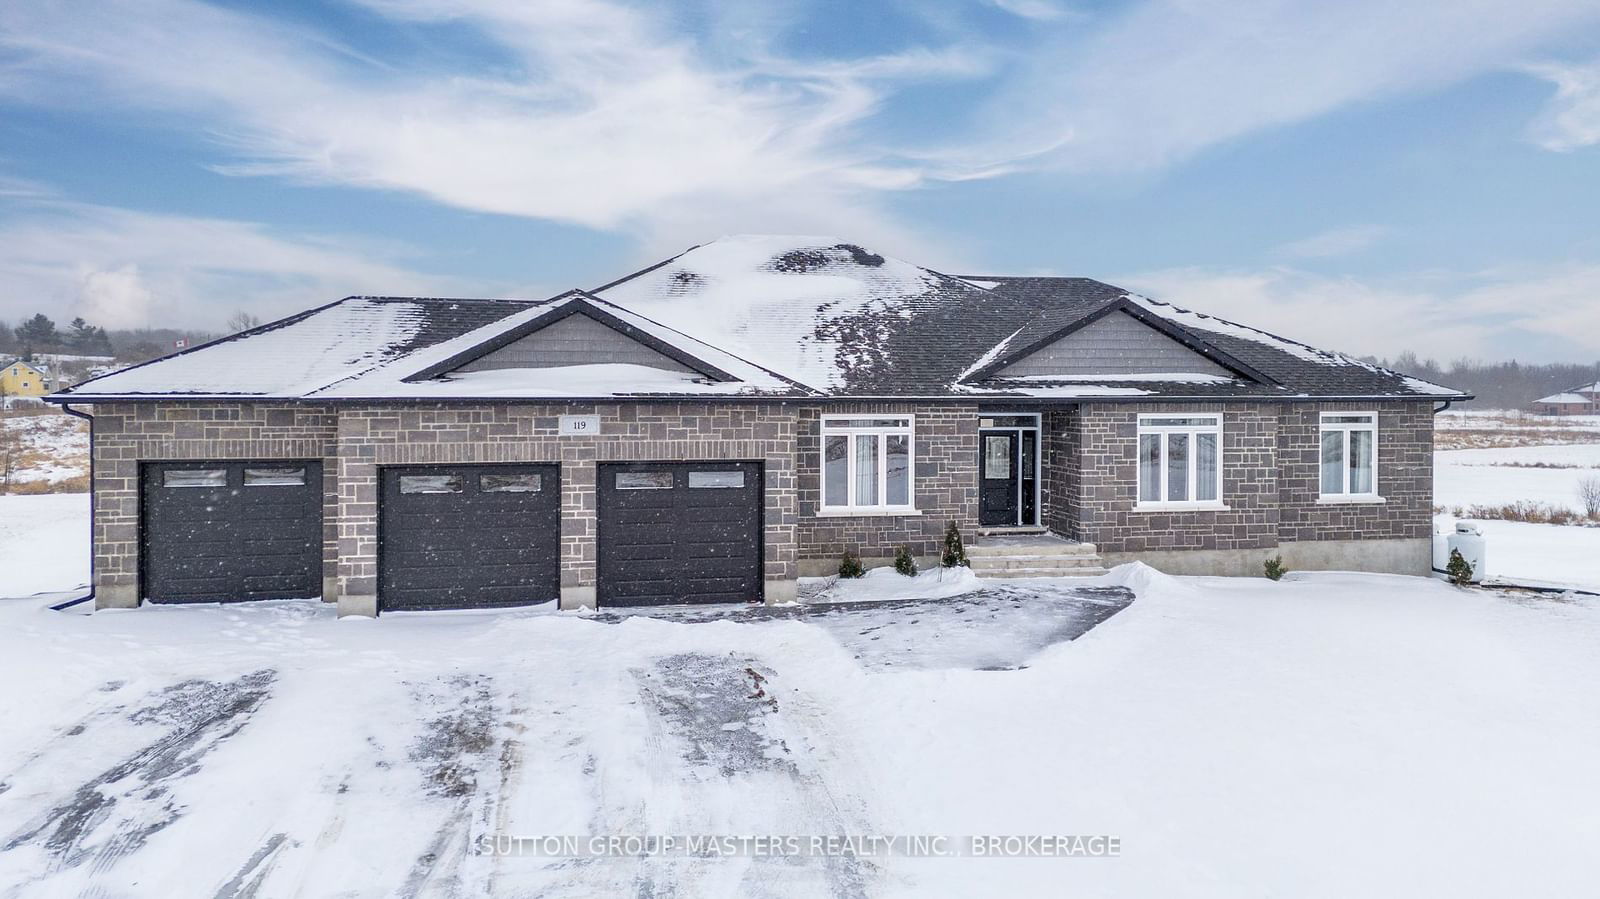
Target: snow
(54, 446)
(595, 380)
(731, 294)
(1536, 554)
(1362, 734)
(44, 543)
(325, 346)
(1483, 477)
(1171, 377)
(988, 357)
(1564, 398)
(881, 584)
(1064, 391)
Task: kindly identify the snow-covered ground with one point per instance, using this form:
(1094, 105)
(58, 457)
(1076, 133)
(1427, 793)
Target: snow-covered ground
(1330, 735)
(1506, 472)
(52, 446)
(44, 543)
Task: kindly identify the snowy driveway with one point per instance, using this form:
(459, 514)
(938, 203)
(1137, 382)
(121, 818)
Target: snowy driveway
(271, 750)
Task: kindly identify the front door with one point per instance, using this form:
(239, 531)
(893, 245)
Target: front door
(999, 479)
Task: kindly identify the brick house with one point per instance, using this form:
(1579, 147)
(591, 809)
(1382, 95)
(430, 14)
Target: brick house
(716, 426)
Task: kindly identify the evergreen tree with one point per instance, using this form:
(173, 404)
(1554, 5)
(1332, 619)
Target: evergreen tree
(1459, 569)
(850, 565)
(37, 333)
(955, 553)
(903, 561)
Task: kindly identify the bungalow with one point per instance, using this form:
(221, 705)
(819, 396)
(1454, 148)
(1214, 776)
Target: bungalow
(717, 425)
(1569, 403)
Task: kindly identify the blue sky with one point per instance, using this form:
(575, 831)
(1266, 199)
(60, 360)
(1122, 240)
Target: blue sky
(1369, 176)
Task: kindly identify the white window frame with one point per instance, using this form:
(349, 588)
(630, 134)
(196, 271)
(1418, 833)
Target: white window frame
(830, 427)
(1165, 431)
(1345, 496)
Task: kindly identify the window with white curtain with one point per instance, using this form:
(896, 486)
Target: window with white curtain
(866, 462)
(1180, 461)
(1349, 455)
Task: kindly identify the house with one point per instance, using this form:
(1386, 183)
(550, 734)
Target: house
(19, 378)
(1573, 402)
(719, 424)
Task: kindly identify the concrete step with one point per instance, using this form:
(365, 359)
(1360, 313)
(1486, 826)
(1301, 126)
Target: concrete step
(1094, 571)
(1003, 562)
(1031, 548)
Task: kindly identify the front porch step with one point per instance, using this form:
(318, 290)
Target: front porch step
(1033, 555)
(1005, 574)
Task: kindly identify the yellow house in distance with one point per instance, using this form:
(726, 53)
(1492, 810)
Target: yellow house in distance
(20, 378)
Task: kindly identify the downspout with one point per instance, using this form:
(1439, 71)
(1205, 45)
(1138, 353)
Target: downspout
(1447, 405)
(90, 595)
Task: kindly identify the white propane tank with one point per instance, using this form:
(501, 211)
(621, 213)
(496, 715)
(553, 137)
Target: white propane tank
(1441, 550)
(1468, 540)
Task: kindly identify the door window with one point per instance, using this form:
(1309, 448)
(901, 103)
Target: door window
(996, 458)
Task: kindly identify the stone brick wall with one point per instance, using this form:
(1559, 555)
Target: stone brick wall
(1405, 475)
(945, 444)
(1269, 479)
(126, 434)
(373, 436)
(1060, 469)
(1108, 477)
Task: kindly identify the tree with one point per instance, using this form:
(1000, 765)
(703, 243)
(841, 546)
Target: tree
(955, 553)
(242, 321)
(1459, 569)
(904, 562)
(37, 333)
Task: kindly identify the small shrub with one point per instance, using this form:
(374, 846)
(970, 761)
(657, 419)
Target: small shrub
(1524, 510)
(1459, 569)
(955, 553)
(904, 563)
(1589, 495)
(1274, 569)
(850, 565)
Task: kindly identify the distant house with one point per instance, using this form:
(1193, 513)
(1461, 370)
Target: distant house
(1583, 400)
(715, 426)
(20, 378)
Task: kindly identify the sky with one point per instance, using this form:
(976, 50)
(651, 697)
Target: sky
(1371, 176)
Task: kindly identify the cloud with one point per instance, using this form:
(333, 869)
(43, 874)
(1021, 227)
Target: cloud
(1039, 10)
(1171, 78)
(1571, 120)
(590, 113)
(122, 268)
(1535, 315)
(1335, 242)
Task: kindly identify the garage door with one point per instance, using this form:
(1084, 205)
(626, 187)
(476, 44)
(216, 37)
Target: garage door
(469, 536)
(226, 531)
(679, 533)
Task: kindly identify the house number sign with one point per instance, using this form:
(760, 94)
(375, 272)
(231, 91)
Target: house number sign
(572, 425)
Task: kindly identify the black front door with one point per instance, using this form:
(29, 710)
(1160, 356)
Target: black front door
(999, 478)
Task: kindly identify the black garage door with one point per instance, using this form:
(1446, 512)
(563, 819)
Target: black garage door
(226, 531)
(469, 536)
(679, 533)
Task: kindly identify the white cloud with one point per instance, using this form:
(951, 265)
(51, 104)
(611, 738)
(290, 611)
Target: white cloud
(1335, 242)
(1572, 118)
(121, 268)
(1040, 10)
(1170, 78)
(598, 114)
(1529, 314)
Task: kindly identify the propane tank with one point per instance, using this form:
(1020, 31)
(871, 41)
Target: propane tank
(1468, 540)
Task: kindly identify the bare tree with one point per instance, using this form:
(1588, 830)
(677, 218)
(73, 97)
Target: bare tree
(10, 453)
(242, 321)
(1589, 495)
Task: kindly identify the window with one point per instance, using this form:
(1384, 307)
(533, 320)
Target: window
(866, 463)
(1180, 461)
(510, 483)
(997, 457)
(699, 479)
(274, 477)
(1349, 454)
(194, 477)
(430, 483)
(644, 480)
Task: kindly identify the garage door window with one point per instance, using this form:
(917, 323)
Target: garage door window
(510, 483)
(274, 477)
(644, 480)
(716, 479)
(430, 483)
(194, 477)
(867, 464)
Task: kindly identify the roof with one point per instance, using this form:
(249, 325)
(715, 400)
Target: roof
(1564, 399)
(757, 317)
(18, 360)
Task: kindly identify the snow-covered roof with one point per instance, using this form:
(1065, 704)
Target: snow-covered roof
(762, 316)
(1564, 399)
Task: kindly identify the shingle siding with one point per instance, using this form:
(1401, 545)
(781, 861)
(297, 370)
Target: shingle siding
(1117, 344)
(574, 340)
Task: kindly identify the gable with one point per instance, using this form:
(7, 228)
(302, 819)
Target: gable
(574, 340)
(1116, 344)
